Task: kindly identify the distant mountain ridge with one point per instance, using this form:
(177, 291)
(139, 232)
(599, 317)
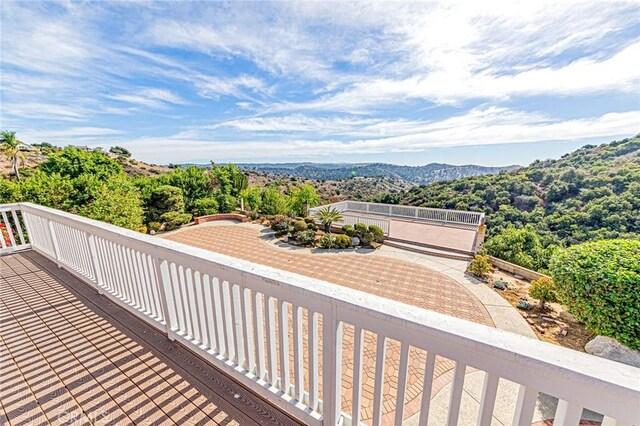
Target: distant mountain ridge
(433, 172)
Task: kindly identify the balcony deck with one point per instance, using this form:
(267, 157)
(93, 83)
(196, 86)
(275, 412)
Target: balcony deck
(69, 354)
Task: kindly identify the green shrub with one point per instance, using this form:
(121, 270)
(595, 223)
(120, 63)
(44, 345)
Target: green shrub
(306, 238)
(360, 227)
(312, 226)
(349, 230)
(524, 305)
(368, 237)
(300, 225)
(327, 241)
(544, 290)
(310, 220)
(173, 220)
(343, 241)
(378, 233)
(480, 266)
(226, 203)
(205, 206)
(154, 226)
(599, 282)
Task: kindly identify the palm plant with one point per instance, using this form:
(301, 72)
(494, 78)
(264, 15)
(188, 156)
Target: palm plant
(327, 216)
(9, 148)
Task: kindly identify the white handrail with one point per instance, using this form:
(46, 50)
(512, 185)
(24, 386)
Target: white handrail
(214, 304)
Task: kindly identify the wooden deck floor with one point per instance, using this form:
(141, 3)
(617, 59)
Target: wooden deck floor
(69, 356)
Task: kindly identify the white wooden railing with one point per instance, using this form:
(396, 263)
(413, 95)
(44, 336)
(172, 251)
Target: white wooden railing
(451, 217)
(239, 316)
(12, 235)
(350, 219)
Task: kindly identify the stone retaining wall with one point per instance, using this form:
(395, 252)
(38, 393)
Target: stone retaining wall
(516, 269)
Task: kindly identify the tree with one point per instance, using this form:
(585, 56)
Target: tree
(544, 290)
(193, 181)
(273, 202)
(72, 162)
(252, 196)
(519, 246)
(229, 178)
(118, 150)
(327, 216)
(599, 282)
(164, 199)
(302, 198)
(9, 148)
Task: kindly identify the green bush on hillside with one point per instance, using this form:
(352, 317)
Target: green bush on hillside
(600, 284)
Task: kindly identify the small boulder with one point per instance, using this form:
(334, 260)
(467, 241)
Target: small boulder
(609, 348)
(518, 277)
(355, 241)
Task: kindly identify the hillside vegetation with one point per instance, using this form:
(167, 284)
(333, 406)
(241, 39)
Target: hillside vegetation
(428, 173)
(592, 193)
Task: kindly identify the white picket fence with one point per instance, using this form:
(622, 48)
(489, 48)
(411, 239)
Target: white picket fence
(239, 316)
(451, 217)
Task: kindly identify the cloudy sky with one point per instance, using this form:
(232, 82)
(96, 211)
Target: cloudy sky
(409, 83)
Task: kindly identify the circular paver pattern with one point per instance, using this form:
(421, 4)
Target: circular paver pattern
(376, 274)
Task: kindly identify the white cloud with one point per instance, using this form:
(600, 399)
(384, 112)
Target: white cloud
(150, 97)
(479, 127)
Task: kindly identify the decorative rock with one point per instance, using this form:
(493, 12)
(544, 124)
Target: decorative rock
(606, 347)
(285, 238)
(518, 277)
(355, 241)
(152, 232)
(530, 321)
(564, 332)
(540, 329)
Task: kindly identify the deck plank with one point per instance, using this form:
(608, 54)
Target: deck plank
(106, 358)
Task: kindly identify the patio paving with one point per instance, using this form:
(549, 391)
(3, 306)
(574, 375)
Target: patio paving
(384, 276)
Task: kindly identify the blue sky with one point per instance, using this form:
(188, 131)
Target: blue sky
(410, 83)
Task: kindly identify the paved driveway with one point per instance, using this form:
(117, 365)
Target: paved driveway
(374, 273)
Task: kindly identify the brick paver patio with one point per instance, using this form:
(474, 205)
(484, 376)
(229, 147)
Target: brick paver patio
(387, 277)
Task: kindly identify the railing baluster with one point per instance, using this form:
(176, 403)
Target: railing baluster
(247, 332)
(228, 320)
(210, 313)
(219, 315)
(525, 406)
(312, 319)
(567, 414)
(16, 220)
(402, 382)
(163, 278)
(272, 360)
(378, 386)
(9, 229)
(298, 356)
(283, 334)
(356, 398)
(238, 335)
(456, 394)
(488, 399)
(331, 367)
(427, 384)
(258, 333)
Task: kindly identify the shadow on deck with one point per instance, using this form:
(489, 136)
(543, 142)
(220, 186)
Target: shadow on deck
(69, 355)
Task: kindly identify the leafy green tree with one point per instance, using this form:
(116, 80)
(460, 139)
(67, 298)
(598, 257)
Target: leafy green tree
(72, 162)
(9, 148)
(273, 202)
(302, 198)
(252, 196)
(226, 203)
(115, 201)
(193, 181)
(599, 282)
(229, 178)
(519, 246)
(205, 206)
(118, 150)
(164, 199)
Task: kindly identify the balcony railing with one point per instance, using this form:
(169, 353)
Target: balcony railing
(241, 316)
(450, 217)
